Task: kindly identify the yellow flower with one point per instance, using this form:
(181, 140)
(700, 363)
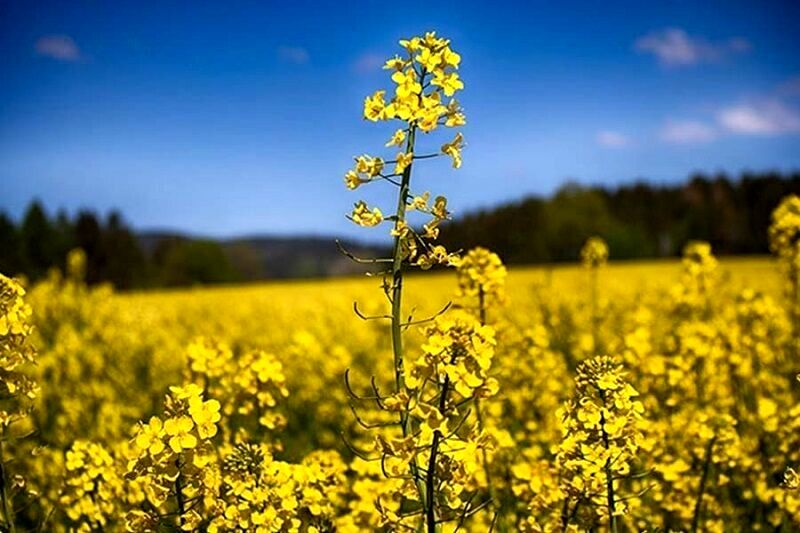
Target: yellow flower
(403, 161)
(431, 229)
(400, 229)
(791, 479)
(481, 273)
(594, 252)
(397, 138)
(608, 381)
(374, 106)
(429, 59)
(784, 231)
(454, 117)
(411, 45)
(420, 203)
(450, 58)
(186, 392)
(440, 208)
(178, 429)
(407, 84)
(371, 166)
(362, 215)
(150, 436)
(205, 415)
(395, 63)
(352, 180)
(453, 149)
(450, 83)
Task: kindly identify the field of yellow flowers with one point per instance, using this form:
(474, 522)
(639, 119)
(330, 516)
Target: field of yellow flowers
(258, 424)
(626, 397)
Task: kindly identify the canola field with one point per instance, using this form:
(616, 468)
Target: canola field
(625, 397)
(702, 375)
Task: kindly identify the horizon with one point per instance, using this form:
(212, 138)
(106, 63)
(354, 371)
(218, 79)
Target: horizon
(214, 126)
(367, 238)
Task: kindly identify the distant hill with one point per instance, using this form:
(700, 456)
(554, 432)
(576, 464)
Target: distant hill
(269, 257)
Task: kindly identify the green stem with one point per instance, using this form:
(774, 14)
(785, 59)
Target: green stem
(430, 486)
(397, 307)
(698, 506)
(397, 272)
(179, 494)
(8, 510)
(430, 479)
(482, 305)
(567, 515)
(611, 503)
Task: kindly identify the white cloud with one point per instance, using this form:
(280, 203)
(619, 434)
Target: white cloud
(59, 47)
(294, 54)
(612, 139)
(675, 48)
(770, 117)
(367, 63)
(687, 132)
(776, 112)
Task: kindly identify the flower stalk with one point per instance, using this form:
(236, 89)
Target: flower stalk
(698, 506)
(8, 509)
(424, 78)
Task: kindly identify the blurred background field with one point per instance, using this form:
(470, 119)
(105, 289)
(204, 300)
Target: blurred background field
(427, 289)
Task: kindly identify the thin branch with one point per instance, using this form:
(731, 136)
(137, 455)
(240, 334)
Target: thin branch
(357, 259)
(427, 156)
(362, 316)
(367, 425)
(431, 318)
(356, 452)
(351, 392)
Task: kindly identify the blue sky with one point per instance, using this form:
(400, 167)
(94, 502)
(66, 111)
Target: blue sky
(230, 118)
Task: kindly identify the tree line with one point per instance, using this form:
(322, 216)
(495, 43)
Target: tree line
(114, 252)
(639, 220)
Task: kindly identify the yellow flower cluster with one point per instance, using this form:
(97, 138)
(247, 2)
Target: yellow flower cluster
(250, 383)
(93, 488)
(18, 390)
(694, 470)
(784, 232)
(601, 435)
(700, 276)
(698, 259)
(594, 252)
(424, 79)
(459, 350)
(365, 217)
(481, 276)
(16, 352)
(171, 458)
(784, 241)
(452, 369)
(262, 495)
(430, 62)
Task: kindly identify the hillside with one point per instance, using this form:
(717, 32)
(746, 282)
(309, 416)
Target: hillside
(270, 257)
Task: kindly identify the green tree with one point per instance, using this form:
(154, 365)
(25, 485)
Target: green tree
(38, 241)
